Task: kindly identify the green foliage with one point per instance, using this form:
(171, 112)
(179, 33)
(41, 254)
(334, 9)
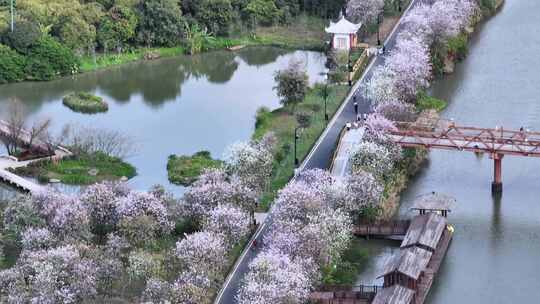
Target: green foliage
(216, 15)
(117, 28)
(184, 170)
(426, 102)
(48, 59)
(161, 23)
(85, 103)
(24, 35)
(197, 39)
(292, 84)
(458, 46)
(78, 35)
(11, 65)
(264, 12)
(346, 271)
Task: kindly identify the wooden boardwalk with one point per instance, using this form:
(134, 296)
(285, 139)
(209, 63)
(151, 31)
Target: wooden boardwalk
(19, 182)
(433, 267)
(382, 229)
(359, 294)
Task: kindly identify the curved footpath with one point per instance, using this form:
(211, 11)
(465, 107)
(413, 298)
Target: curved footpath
(319, 157)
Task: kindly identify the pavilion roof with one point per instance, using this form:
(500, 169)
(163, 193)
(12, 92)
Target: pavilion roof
(343, 26)
(410, 262)
(394, 295)
(425, 230)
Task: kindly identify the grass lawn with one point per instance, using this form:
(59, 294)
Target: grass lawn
(282, 123)
(184, 170)
(100, 61)
(78, 171)
(426, 102)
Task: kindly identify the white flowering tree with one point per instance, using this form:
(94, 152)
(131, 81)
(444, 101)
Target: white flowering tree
(397, 111)
(100, 200)
(143, 265)
(373, 158)
(232, 222)
(381, 87)
(359, 190)
(192, 288)
(37, 239)
(58, 275)
(275, 278)
(365, 11)
(411, 65)
(213, 188)
(297, 201)
(203, 252)
(380, 124)
(251, 161)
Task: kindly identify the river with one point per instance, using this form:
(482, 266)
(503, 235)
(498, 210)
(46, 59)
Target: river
(177, 105)
(494, 257)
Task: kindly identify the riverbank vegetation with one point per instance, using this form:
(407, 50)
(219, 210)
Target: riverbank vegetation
(184, 170)
(49, 38)
(85, 103)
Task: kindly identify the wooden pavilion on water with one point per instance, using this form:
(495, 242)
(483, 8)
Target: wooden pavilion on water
(394, 295)
(406, 268)
(425, 231)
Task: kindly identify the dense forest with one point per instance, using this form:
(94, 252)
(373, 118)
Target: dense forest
(49, 36)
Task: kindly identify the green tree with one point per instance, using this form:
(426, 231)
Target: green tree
(160, 23)
(23, 36)
(78, 35)
(48, 59)
(11, 65)
(216, 15)
(264, 12)
(292, 84)
(117, 28)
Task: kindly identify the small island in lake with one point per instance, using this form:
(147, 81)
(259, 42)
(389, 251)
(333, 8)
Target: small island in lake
(85, 103)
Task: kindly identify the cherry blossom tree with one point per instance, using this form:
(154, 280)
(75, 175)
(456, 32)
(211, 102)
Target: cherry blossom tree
(381, 87)
(142, 265)
(379, 123)
(296, 201)
(274, 278)
(214, 187)
(251, 161)
(157, 291)
(192, 288)
(203, 252)
(101, 201)
(365, 11)
(411, 65)
(373, 158)
(360, 190)
(37, 239)
(232, 222)
(397, 111)
(59, 275)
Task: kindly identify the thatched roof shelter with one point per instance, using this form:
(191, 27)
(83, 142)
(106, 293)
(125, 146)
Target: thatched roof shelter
(434, 201)
(410, 262)
(425, 231)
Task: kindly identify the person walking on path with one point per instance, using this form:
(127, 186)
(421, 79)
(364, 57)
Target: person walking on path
(355, 104)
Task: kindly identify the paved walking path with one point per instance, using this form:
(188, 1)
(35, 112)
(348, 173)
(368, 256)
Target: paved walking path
(341, 164)
(319, 157)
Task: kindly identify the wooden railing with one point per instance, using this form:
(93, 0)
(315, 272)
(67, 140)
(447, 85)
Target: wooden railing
(382, 228)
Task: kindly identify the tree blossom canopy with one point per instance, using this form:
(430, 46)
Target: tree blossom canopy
(274, 278)
(230, 221)
(365, 11)
(203, 252)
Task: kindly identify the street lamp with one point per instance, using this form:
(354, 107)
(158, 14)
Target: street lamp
(325, 95)
(296, 137)
(399, 5)
(349, 69)
(12, 18)
(378, 29)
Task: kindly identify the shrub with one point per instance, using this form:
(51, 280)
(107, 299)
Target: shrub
(457, 46)
(49, 59)
(184, 170)
(11, 65)
(85, 103)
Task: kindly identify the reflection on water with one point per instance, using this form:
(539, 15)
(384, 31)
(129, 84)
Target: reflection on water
(175, 105)
(494, 256)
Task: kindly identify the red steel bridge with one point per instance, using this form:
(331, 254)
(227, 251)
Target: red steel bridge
(445, 134)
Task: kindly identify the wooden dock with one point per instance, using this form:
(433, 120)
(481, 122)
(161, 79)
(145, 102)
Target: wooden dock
(358, 294)
(19, 182)
(433, 267)
(382, 229)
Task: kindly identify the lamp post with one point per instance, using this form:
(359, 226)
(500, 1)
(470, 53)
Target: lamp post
(12, 13)
(296, 137)
(399, 5)
(325, 95)
(349, 70)
(379, 29)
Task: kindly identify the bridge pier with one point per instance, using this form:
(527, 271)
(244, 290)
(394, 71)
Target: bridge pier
(496, 185)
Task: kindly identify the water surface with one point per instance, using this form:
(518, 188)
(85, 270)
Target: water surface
(176, 105)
